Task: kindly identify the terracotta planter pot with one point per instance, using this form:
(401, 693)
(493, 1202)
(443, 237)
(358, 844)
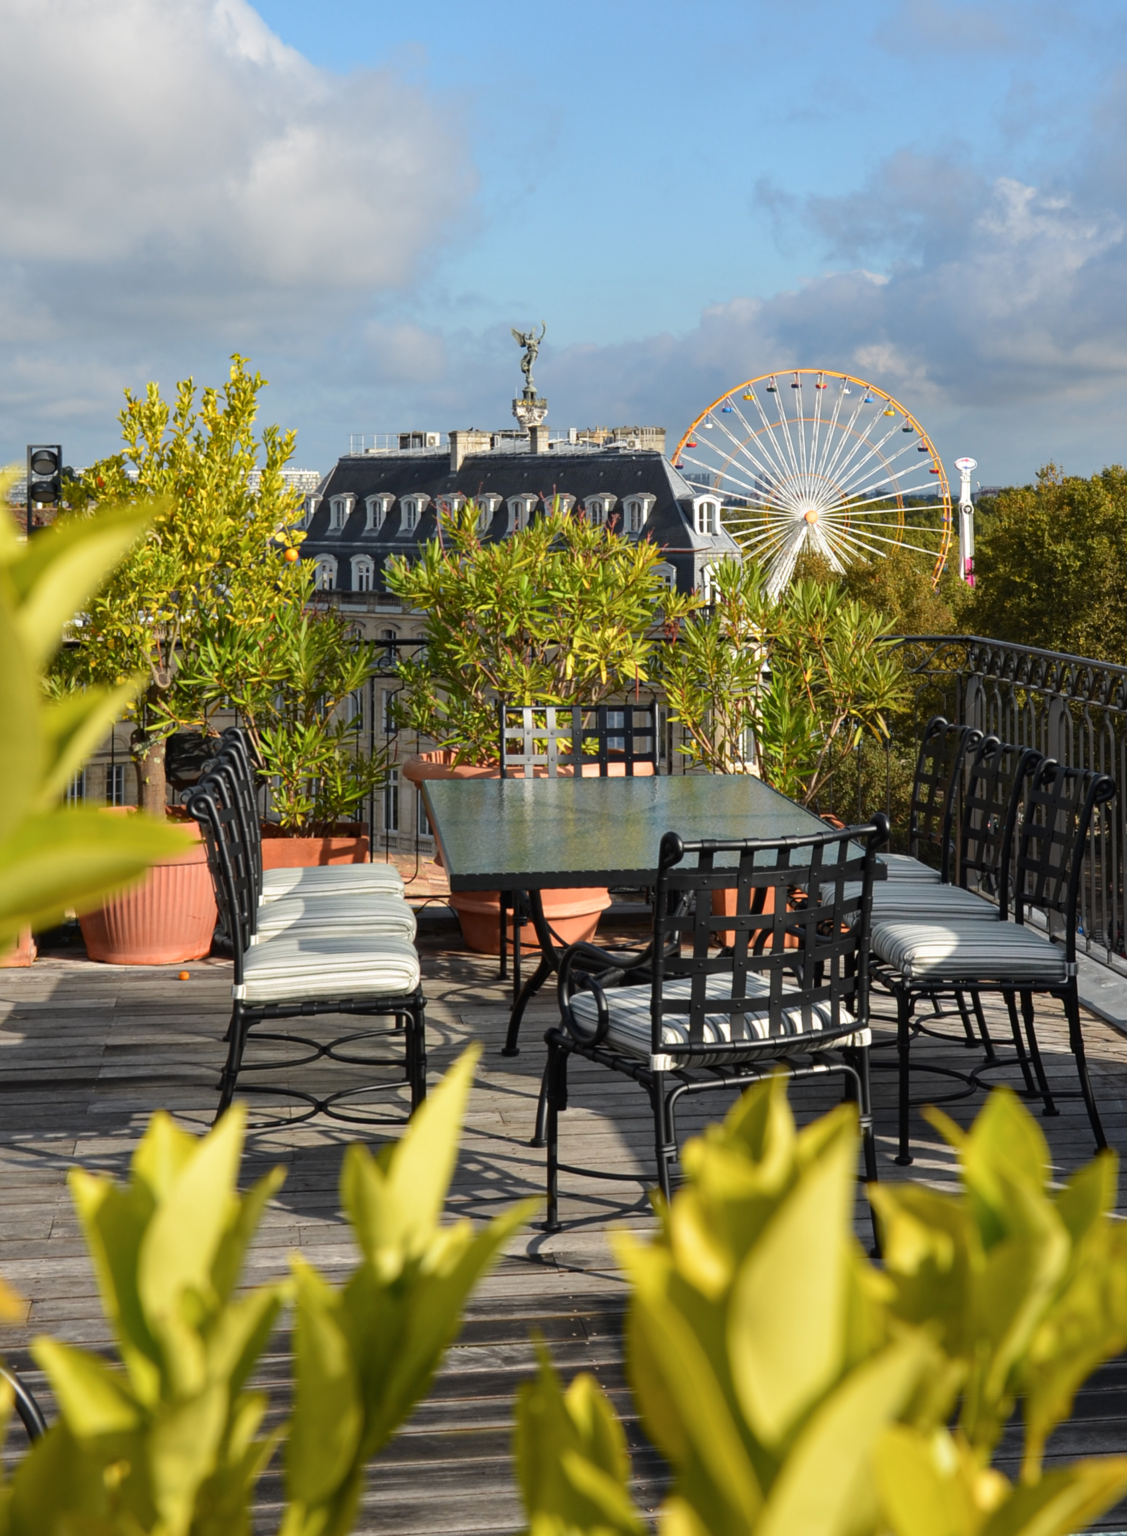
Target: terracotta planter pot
(170, 917)
(349, 845)
(22, 952)
(574, 913)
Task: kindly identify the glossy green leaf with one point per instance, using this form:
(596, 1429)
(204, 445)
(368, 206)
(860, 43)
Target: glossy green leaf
(328, 1416)
(92, 1397)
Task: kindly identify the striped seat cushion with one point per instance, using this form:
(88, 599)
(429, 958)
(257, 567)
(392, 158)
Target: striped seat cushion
(323, 879)
(901, 866)
(352, 912)
(917, 901)
(630, 1031)
(965, 949)
(292, 967)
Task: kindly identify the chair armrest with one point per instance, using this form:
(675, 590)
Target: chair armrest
(585, 983)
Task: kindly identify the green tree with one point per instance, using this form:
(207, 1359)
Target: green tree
(561, 612)
(1051, 563)
(216, 553)
(804, 676)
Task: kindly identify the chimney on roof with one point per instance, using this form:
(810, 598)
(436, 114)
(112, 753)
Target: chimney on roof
(472, 440)
(538, 438)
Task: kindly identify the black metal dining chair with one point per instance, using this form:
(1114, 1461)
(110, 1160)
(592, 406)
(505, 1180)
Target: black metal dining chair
(1042, 862)
(596, 740)
(934, 803)
(790, 989)
(304, 974)
(609, 738)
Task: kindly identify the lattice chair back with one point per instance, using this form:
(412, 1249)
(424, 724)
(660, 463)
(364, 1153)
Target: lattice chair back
(533, 738)
(612, 738)
(624, 736)
(1052, 841)
(238, 750)
(995, 784)
(235, 893)
(935, 788)
(239, 794)
(801, 923)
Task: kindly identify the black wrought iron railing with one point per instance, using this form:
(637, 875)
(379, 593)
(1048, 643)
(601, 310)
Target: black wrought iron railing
(1072, 708)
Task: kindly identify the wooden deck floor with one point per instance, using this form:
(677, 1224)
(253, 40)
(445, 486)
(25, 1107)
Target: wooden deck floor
(89, 1051)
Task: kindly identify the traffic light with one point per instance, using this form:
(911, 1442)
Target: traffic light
(44, 478)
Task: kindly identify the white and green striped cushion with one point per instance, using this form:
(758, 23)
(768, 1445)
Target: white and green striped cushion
(324, 879)
(965, 949)
(920, 902)
(901, 866)
(352, 912)
(292, 967)
(630, 1029)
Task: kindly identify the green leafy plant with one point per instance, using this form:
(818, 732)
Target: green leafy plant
(290, 678)
(788, 685)
(214, 554)
(167, 1440)
(560, 612)
(794, 1388)
(54, 859)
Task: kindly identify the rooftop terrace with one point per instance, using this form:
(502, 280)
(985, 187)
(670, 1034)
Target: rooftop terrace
(91, 1050)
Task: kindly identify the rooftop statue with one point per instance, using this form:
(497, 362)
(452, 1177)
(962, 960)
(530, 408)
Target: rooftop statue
(531, 344)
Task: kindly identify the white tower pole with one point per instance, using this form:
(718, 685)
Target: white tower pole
(966, 521)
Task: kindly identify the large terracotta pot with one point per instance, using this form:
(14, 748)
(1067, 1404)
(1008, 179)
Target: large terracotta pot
(22, 952)
(349, 845)
(166, 919)
(573, 913)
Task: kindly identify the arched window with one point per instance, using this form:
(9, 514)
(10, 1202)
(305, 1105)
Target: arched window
(667, 574)
(411, 509)
(558, 501)
(707, 514)
(447, 505)
(520, 511)
(377, 508)
(326, 569)
(340, 509)
(363, 572)
(635, 512)
(708, 583)
(487, 505)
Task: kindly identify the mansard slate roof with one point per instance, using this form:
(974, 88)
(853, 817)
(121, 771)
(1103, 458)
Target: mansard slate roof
(582, 475)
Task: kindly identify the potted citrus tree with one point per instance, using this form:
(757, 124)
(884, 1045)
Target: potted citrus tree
(216, 572)
(561, 612)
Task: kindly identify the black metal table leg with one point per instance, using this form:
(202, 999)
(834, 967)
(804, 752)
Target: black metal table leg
(549, 963)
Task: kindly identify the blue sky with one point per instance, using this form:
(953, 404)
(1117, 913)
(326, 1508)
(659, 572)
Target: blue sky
(365, 198)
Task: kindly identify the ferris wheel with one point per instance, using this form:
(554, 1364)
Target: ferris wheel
(815, 460)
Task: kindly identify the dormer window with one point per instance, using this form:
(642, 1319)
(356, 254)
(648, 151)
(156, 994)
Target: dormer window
(363, 571)
(326, 573)
(448, 505)
(310, 507)
(708, 583)
(636, 511)
(487, 506)
(597, 509)
(520, 512)
(412, 509)
(340, 509)
(707, 516)
(558, 502)
(377, 508)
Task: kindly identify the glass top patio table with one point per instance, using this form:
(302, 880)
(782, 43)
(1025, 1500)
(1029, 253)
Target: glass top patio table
(536, 834)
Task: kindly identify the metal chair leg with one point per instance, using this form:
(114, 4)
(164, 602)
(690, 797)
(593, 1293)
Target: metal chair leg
(417, 1045)
(1076, 1040)
(1019, 1045)
(236, 1037)
(1050, 1107)
(983, 1029)
(555, 1078)
(903, 1046)
(662, 1140)
(541, 1111)
(971, 1040)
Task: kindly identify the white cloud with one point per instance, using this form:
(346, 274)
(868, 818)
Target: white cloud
(182, 152)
